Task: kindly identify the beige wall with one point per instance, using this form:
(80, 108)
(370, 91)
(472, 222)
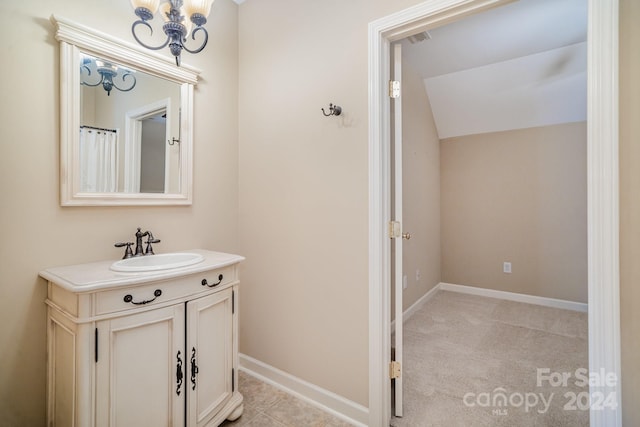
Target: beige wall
(304, 188)
(35, 232)
(630, 209)
(421, 188)
(517, 196)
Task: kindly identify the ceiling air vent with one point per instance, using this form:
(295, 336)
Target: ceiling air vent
(420, 37)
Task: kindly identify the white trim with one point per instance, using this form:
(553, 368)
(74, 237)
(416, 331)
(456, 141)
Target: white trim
(108, 47)
(417, 305)
(325, 400)
(602, 205)
(379, 245)
(491, 293)
(512, 296)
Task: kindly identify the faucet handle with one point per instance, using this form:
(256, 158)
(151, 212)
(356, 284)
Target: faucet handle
(150, 240)
(128, 253)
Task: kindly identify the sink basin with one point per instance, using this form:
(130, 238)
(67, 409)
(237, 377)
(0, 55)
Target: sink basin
(157, 262)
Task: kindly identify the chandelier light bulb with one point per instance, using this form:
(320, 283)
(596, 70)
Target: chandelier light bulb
(151, 6)
(198, 7)
(165, 8)
(186, 21)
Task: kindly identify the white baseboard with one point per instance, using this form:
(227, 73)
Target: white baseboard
(325, 400)
(512, 296)
(416, 305)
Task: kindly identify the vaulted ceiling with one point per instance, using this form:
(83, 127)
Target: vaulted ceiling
(517, 66)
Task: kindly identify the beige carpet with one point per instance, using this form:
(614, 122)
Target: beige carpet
(464, 355)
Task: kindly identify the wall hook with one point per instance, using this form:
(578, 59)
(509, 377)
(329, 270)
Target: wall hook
(334, 110)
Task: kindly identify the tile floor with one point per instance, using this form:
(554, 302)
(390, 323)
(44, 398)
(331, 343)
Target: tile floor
(266, 406)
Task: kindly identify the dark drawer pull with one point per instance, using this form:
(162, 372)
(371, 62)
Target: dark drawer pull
(179, 374)
(194, 368)
(129, 298)
(204, 282)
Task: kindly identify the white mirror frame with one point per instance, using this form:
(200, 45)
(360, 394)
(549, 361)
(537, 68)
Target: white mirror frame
(74, 38)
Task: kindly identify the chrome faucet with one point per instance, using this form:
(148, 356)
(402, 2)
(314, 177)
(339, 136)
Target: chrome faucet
(128, 253)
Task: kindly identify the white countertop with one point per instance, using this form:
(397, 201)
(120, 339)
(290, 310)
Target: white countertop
(97, 275)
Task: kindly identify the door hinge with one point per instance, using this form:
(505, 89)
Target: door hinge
(96, 345)
(395, 229)
(394, 89)
(395, 370)
(233, 302)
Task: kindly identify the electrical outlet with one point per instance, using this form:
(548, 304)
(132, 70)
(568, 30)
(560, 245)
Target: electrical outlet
(417, 275)
(506, 267)
(405, 282)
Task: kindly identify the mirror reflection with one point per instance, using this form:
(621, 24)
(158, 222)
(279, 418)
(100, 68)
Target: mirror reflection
(129, 130)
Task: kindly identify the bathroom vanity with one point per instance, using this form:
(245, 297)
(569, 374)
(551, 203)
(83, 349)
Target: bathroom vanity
(143, 348)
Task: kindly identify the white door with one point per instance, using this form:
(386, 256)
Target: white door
(210, 355)
(396, 215)
(140, 365)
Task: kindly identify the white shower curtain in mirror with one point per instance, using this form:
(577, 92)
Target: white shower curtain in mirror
(98, 161)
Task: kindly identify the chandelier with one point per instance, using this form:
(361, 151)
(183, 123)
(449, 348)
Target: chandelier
(179, 18)
(109, 74)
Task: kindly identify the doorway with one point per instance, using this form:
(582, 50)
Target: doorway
(604, 345)
(147, 156)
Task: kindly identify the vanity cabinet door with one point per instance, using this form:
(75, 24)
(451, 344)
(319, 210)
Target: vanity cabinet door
(140, 369)
(209, 349)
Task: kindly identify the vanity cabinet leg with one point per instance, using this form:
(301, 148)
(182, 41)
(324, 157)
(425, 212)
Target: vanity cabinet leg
(236, 413)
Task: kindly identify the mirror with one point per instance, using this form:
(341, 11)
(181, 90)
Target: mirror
(126, 122)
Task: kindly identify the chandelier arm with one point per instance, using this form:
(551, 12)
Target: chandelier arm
(93, 85)
(124, 76)
(85, 67)
(193, 37)
(146, 24)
